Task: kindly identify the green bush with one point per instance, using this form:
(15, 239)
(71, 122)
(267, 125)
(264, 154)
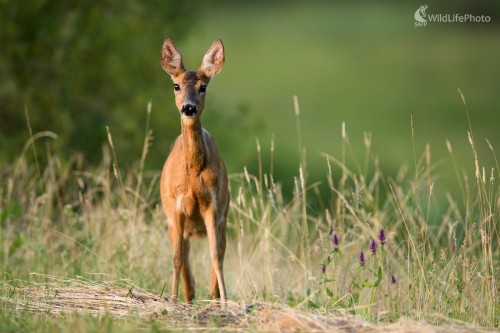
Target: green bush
(77, 67)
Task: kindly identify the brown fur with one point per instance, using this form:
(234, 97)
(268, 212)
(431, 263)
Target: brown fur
(194, 185)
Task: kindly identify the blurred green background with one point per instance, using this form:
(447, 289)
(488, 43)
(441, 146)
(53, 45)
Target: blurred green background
(77, 67)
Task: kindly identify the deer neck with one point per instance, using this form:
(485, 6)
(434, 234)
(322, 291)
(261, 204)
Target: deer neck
(193, 145)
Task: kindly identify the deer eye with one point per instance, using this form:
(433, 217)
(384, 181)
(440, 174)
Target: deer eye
(203, 88)
(176, 87)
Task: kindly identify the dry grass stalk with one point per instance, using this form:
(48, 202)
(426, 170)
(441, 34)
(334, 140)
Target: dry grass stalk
(94, 300)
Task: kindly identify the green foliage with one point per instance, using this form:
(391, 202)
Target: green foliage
(80, 66)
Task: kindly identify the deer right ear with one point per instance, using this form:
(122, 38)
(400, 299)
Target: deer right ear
(171, 59)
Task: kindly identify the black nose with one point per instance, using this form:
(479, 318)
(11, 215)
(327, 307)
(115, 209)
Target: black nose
(189, 110)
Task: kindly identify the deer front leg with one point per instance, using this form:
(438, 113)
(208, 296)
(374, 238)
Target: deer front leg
(216, 252)
(187, 276)
(176, 232)
(214, 286)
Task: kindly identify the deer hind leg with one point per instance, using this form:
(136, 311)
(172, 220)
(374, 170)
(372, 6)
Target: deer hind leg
(187, 275)
(176, 231)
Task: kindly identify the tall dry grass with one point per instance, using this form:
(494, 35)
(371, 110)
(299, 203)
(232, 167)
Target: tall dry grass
(440, 261)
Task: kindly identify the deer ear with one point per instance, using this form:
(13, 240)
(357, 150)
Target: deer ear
(213, 60)
(171, 59)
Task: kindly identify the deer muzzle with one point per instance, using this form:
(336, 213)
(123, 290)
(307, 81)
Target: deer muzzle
(189, 110)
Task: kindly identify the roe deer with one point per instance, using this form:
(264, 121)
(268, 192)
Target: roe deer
(194, 186)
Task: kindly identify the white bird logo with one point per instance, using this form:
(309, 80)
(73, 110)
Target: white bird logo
(420, 14)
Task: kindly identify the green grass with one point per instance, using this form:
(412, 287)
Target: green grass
(65, 220)
(74, 323)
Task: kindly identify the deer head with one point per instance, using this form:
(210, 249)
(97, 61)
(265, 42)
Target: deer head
(190, 86)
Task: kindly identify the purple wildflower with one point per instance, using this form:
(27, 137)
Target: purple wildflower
(335, 240)
(323, 268)
(361, 258)
(373, 246)
(381, 236)
(393, 279)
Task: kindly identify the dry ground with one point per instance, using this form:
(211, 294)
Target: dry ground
(84, 297)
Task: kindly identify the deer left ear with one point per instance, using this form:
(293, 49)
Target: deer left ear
(213, 60)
